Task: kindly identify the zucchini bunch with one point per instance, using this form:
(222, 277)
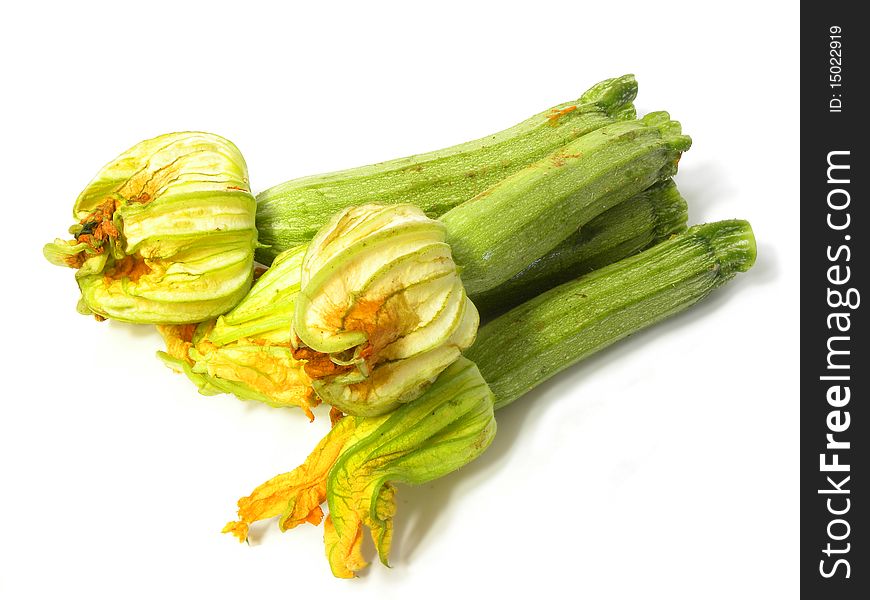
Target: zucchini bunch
(382, 308)
(562, 235)
(564, 256)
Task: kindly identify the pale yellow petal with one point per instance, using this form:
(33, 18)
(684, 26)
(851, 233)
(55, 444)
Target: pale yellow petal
(344, 552)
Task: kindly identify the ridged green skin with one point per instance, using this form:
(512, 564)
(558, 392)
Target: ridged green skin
(498, 233)
(290, 214)
(531, 343)
(646, 219)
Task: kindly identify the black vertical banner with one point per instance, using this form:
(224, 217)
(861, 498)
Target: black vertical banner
(835, 368)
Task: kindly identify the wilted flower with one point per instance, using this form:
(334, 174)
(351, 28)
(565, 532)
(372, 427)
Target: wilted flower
(164, 233)
(354, 467)
(364, 318)
(382, 299)
(248, 351)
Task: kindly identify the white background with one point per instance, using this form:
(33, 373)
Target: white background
(665, 467)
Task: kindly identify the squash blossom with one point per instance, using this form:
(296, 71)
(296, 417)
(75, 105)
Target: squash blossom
(248, 351)
(165, 233)
(354, 467)
(363, 318)
(381, 308)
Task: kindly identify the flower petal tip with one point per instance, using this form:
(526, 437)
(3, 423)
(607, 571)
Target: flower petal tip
(238, 529)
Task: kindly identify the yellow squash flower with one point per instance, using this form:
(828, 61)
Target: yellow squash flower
(354, 467)
(165, 233)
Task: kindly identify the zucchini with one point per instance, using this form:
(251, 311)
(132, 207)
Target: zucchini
(531, 343)
(291, 213)
(648, 218)
(501, 231)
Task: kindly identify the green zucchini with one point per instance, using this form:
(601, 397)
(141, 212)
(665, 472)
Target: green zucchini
(531, 343)
(501, 231)
(290, 214)
(648, 218)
